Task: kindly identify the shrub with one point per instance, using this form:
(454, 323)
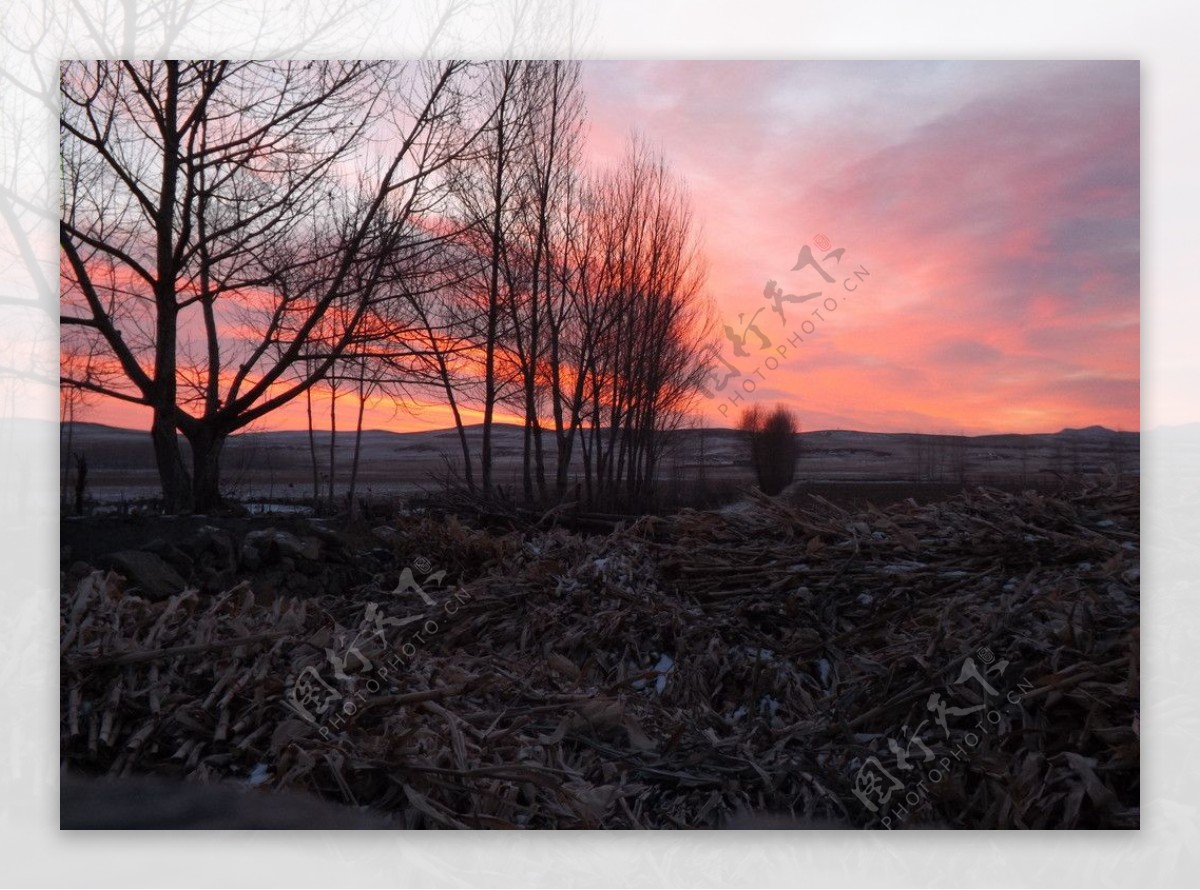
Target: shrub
(773, 446)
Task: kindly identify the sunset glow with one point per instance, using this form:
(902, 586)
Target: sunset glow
(995, 205)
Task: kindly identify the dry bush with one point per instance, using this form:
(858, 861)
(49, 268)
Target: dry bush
(773, 446)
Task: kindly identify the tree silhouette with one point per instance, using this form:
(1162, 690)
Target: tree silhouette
(773, 446)
(226, 226)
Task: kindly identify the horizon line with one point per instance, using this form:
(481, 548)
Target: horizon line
(498, 424)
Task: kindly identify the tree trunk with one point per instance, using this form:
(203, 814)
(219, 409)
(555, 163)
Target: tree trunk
(539, 457)
(69, 415)
(358, 427)
(80, 482)
(176, 486)
(496, 235)
(332, 441)
(526, 460)
(171, 471)
(468, 470)
(312, 452)
(206, 468)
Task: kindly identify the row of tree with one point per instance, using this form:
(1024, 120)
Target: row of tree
(236, 235)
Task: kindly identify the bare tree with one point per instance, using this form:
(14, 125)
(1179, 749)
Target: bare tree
(555, 110)
(490, 199)
(71, 400)
(511, 199)
(773, 446)
(551, 294)
(446, 347)
(648, 323)
(213, 241)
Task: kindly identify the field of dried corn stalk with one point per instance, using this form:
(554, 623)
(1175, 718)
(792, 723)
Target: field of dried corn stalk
(971, 663)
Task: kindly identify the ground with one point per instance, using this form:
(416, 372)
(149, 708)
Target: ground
(970, 662)
(701, 468)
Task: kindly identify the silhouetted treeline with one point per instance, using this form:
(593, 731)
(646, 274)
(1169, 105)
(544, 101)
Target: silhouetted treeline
(238, 235)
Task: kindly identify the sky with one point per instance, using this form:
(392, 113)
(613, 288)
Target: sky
(995, 207)
(979, 222)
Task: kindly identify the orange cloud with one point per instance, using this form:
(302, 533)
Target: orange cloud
(996, 206)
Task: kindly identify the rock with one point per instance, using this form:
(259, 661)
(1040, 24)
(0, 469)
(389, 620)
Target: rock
(261, 548)
(213, 548)
(251, 558)
(149, 573)
(310, 549)
(171, 554)
(386, 533)
(269, 546)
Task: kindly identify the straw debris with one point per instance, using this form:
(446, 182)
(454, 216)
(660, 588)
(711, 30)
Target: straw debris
(981, 651)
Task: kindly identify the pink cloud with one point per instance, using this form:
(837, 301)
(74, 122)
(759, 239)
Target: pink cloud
(995, 204)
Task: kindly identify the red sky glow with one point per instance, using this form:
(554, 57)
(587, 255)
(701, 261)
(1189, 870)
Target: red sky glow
(995, 206)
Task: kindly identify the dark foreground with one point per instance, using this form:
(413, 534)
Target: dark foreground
(970, 663)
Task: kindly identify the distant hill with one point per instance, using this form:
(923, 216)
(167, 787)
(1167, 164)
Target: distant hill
(85, 428)
(277, 463)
